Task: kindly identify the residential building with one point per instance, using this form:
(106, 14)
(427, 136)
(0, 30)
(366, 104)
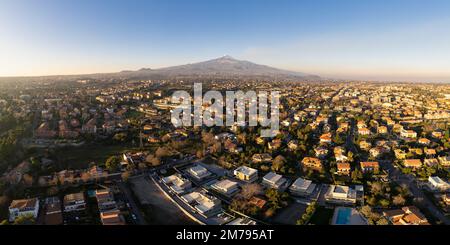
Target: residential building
(408, 134)
(302, 187)
(382, 130)
(262, 158)
(444, 161)
(74, 202)
(105, 200)
(437, 184)
(325, 138)
(369, 167)
(363, 131)
(23, 207)
(412, 163)
(446, 199)
(246, 174)
(273, 180)
(177, 183)
(199, 172)
(242, 221)
(343, 168)
(113, 217)
(312, 163)
(226, 187)
(204, 204)
(406, 216)
(340, 194)
(424, 141)
(431, 162)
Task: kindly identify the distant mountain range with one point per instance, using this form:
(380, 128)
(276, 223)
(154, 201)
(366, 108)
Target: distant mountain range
(223, 67)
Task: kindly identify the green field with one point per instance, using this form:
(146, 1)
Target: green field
(81, 157)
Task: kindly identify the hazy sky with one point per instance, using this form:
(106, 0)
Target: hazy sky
(361, 39)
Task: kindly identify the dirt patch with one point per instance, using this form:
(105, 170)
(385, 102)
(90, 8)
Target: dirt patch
(290, 214)
(158, 209)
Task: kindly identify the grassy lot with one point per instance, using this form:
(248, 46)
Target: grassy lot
(81, 157)
(322, 216)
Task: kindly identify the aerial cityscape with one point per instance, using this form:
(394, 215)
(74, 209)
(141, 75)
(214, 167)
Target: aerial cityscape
(323, 128)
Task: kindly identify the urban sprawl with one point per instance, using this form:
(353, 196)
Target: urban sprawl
(106, 152)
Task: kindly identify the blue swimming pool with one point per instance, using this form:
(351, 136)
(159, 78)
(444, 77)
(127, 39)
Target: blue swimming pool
(343, 216)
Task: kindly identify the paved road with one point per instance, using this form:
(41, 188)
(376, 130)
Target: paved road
(140, 220)
(409, 181)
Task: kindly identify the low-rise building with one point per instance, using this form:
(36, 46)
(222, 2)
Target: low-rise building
(412, 163)
(246, 174)
(406, 216)
(424, 141)
(74, 202)
(273, 180)
(382, 130)
(325, 138)
(242, 221)
(343, 168)
(446, 199)
(262, 158)
(370, 167)
(23, 207)
(408, 134)
(312, 163)
(444, 161)
(204, 204)
(302, 187)
(363, 131)
(113, 217)
(437, 184)
(340, 194)
(105, 200)
(177, 183)
(226, 187)
(199, 172)
(431, 162)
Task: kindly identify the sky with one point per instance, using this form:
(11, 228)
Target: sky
(348, 39)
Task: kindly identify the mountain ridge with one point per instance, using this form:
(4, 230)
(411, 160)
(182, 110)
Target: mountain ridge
(225, 66)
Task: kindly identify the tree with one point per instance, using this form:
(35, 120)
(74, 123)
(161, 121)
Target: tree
(376, 188)
(126, 176)
(25, 220)
(278, 163)
(384, 203)
(216, 148)
(398, 200)
(200, 153)
(356, 175)
(250, 190)
(85, 177)
(162, 152)
(4, 201)
(28, 179)
(208, 138)
(142, 166)
(153, 160)
(120, 137)
(112, 163)
(382, 221)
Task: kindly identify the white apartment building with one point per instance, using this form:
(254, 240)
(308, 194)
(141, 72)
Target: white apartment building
(302, 187)
(273, 180)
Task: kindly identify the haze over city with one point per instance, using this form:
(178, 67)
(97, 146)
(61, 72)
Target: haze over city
(367, 40)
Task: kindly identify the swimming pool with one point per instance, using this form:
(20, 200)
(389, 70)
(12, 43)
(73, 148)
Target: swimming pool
(343, 216)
